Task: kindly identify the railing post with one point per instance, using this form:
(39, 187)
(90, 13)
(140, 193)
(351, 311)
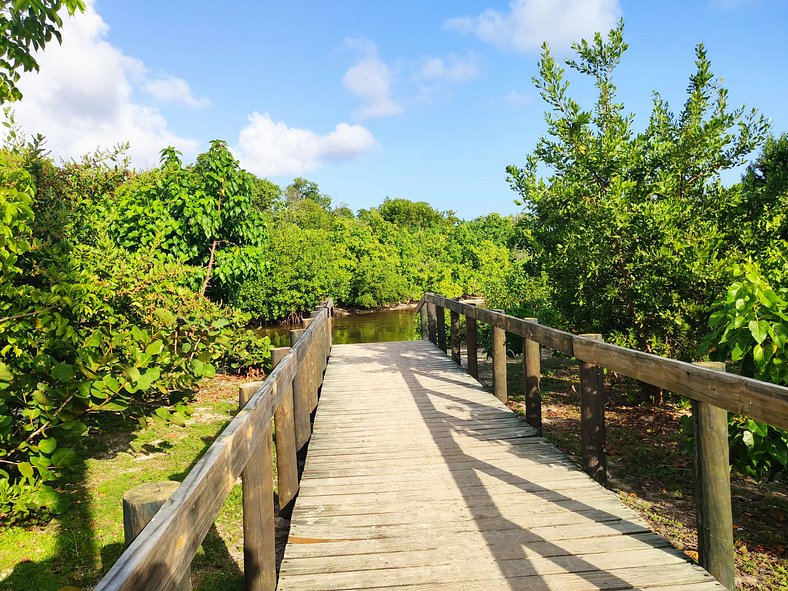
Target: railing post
(424, 321)
(284, 428)
(532, 369)
(592, 418)
(455, 337)
(301, 409)
(472, 345)
(258, 508)
(140, 504)
(432, 323)
(440, 313)
(713, 488)
(499, 362)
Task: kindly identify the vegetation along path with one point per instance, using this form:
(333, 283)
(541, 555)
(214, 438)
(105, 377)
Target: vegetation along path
(417, 477)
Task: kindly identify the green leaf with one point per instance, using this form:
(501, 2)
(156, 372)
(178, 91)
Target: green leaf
(748, 439)
(154, 348)
(48, 445)
(165, 316)
(5, 373)
(26, 470)
(64, 458)
(63, 372)
(47, 497)
(759, 330)
(146, 379)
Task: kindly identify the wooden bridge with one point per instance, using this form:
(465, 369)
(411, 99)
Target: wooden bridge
(418, 478)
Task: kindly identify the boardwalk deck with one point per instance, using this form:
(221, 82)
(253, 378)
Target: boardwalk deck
(416, 478)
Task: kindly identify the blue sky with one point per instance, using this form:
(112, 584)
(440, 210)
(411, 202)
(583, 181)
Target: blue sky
(424, 100)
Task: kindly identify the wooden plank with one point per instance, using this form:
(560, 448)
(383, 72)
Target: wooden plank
(286, 459)
(592, 419)
(499, 363)
(472, 346)
(416, 478)
(455, 337)
(760, 400)
(440, 315)
(713, 489)
(432, 323)
(301, 403)
(258, 509)
(532, 371)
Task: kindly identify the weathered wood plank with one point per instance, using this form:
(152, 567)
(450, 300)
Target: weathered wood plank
(258, 508)
(286, 459)
(414, 474)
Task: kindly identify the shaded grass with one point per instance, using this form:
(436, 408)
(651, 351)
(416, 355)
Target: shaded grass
(78, 547)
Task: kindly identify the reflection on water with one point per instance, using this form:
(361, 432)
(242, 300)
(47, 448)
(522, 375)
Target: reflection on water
(366, 327)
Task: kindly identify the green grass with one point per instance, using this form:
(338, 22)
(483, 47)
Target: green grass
(78, 547)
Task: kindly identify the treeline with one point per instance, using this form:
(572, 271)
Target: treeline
(120, 290)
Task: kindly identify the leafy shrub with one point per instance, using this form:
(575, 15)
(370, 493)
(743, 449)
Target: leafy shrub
(750, 325)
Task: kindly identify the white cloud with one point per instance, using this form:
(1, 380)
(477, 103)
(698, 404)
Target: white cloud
(530, 22)
(370, 80)
(518, 99)
(271, 148)
(454, 70)
(82, 97)
(174, 90)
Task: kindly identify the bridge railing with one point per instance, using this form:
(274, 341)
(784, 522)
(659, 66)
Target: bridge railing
(160, 556)
(712, 392)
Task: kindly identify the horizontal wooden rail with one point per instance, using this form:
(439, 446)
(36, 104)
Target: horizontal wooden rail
(712, 391)
(754, 398)
(159, 556)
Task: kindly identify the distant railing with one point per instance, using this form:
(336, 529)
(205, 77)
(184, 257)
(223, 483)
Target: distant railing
(160, 556)
(712, 392)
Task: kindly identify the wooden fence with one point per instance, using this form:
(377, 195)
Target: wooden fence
(161, 555)
(712, 392)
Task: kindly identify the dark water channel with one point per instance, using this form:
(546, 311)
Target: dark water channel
(359, 327)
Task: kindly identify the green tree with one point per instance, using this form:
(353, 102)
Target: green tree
(27, 26)
(301, 188)
(630, 225)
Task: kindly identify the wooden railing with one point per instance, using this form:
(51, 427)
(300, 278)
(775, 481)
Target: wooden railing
(161, 555)
(712, 392)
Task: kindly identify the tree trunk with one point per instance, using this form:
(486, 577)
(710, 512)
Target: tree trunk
(209, 269)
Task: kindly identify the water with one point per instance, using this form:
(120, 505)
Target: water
(362, 327)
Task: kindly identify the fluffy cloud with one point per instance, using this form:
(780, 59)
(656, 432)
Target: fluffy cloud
(453, 70)
(271, 148)
(170, 89)
(82, 97)
(370, 80)
(530, 22)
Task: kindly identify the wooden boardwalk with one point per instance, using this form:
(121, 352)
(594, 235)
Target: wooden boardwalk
(416, 478)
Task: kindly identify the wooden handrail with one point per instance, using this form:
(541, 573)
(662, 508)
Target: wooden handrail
(162, 552)
(712, 392)
(754, 398)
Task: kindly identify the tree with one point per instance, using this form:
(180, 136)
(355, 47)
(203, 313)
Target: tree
(631, 225)
(301, 188)
(27, 26)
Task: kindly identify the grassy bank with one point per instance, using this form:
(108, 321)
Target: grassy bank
(651, 470)
(78, 547)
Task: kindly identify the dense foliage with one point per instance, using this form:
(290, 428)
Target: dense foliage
(120, 290)
(632, 234)
(89, 326)
(26, 26)
(630, 226)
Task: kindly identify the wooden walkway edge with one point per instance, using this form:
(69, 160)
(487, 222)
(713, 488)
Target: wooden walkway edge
(416, 478)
